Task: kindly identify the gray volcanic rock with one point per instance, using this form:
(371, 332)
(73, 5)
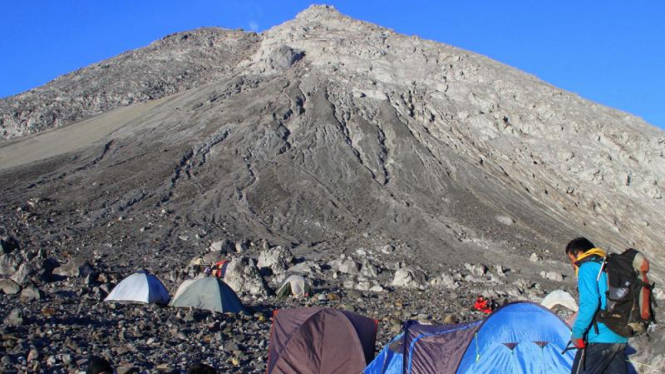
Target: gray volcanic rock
(9, 287)
(173, 64)
(75, 267)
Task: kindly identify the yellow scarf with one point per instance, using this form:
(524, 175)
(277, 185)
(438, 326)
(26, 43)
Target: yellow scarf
(590, 252)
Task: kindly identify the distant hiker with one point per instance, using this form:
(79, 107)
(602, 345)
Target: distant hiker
(98, 365)
(600, 350)
(201, 368)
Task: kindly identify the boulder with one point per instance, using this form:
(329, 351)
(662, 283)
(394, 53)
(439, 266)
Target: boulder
(241, 247)
(14, 318)
(225, 246)
(369, 270)
(243, 276)
(76, 267)
(410, 278)
(9, 287)
(552, 275)
(346, 266)
(476, 270)
(22, 276)
(31, 293)
(387, 249)
(306, 267)
(277, 259)
(444, 280)
(284, 57)
(8, 264)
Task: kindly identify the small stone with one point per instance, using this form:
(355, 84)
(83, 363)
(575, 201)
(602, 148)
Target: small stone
(387, 249)
(552, 275)
(126, 370)
(33, 355)
(31, 293)
(8, 264)
(9, 287)
(534, 257)
(449, 319)
(354, 294)
(14, 318)
(76, 267)
(334, 297)
(22, 276)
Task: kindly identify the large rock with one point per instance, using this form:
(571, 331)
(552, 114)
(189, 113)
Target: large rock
(410, 278)
(368, 269)
(224, 246)
(284, 57)
(14, 318)
(306, 267)
(552, 275)
(8, 264)
(445, 280)
(22, 276)
(9, 287)
(243, 276)
(76, 267)
(346, 265)
(31, 294)
(277, 259)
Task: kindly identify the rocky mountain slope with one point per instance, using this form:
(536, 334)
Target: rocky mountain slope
(173, 64)
(329, 136)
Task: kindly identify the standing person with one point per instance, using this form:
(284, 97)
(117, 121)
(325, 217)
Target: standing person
(600, 350)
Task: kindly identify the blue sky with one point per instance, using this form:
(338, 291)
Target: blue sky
(611, 52)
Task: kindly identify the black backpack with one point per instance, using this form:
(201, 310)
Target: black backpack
(629, 308)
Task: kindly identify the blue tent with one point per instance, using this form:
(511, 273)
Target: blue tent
(520, 338)
(389, 360)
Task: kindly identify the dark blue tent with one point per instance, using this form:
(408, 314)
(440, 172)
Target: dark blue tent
(520, 337)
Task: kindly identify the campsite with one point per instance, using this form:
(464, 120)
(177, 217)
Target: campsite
(163, 322)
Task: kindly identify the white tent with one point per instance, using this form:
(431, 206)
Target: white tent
(295, 285)
(140, 287)
(560, 297)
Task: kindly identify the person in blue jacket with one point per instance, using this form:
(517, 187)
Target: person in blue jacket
(599, 349)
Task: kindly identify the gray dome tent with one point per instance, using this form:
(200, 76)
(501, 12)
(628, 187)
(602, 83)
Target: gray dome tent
(210, 294)
(296, 286)
(140, 287)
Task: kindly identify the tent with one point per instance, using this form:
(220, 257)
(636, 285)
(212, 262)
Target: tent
(140, 287)
(319, 340)
(560, 297)
(520, 337)
(208, 293)
(295, 285)
(389, 360)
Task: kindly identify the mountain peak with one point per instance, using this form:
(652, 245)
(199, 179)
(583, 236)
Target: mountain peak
(318, 11)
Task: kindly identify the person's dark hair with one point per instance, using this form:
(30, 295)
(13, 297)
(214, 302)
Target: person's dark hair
(99, 365)
(201, 369)
(578, 245)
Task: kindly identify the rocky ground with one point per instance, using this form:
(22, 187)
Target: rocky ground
(55, 316)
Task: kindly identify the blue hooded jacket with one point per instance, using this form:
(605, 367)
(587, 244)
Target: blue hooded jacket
(592, 298)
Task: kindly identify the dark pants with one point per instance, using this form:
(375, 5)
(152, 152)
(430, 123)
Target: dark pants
(601, 358)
